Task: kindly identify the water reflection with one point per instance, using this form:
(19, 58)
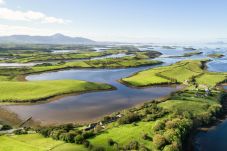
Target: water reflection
(93, 105)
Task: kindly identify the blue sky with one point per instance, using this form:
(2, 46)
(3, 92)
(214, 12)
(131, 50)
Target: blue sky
(117, 20)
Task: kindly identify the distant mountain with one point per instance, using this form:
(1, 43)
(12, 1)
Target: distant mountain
(54, 39)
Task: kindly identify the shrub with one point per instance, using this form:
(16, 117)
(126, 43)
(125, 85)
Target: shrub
(56, 133)
(86, 144)
(170, 148)
(159, 125)
(88, 134)
(110, 142)
(106, 118)
(66, 127)
(159, 141)
(129, 118)
(170, 135)
(145, 136)
(67, 137)
(133, 145)
(98, 128)
(6, 127)
(45, 131)
(79, 139)
(143, 148)
(171, 124)
(20, 132)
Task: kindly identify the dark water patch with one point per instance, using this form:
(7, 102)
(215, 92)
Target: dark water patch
(213, 139)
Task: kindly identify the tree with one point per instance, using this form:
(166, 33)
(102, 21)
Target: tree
(133, 145)
(86, 143)
(159, 141)
(6, 127)
(129, 118)
(159, 125)
(79, 139)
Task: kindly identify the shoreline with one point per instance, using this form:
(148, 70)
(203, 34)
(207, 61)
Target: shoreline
(189, 145)
(53, 98)
(43, 123)
(22, 77)
(189, 142)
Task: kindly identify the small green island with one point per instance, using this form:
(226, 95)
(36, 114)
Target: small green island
(193, 53)
(216, 55)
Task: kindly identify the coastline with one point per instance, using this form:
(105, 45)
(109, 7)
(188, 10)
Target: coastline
(188, 144)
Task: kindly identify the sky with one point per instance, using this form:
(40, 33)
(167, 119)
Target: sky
(117, 20)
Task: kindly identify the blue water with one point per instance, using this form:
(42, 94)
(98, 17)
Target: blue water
(225, 87)
(90, 106)
(213, 140)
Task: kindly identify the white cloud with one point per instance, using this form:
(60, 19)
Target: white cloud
(2, 2)
(9, 14)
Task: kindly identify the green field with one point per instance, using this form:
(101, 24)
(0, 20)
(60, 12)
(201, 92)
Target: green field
(35, 142)
(181, 72)
(187, 101)
(39, 90)
(211, 79)
(123, 134)
(176, 73)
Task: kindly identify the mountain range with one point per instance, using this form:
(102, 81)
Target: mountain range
(53, 39)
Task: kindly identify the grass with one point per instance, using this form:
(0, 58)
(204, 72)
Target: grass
(123, 134)
(35, 142)
(211, 79)
(146, 78)
(38, 90)
(178, 72)
(124, 62)
(187, 101)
